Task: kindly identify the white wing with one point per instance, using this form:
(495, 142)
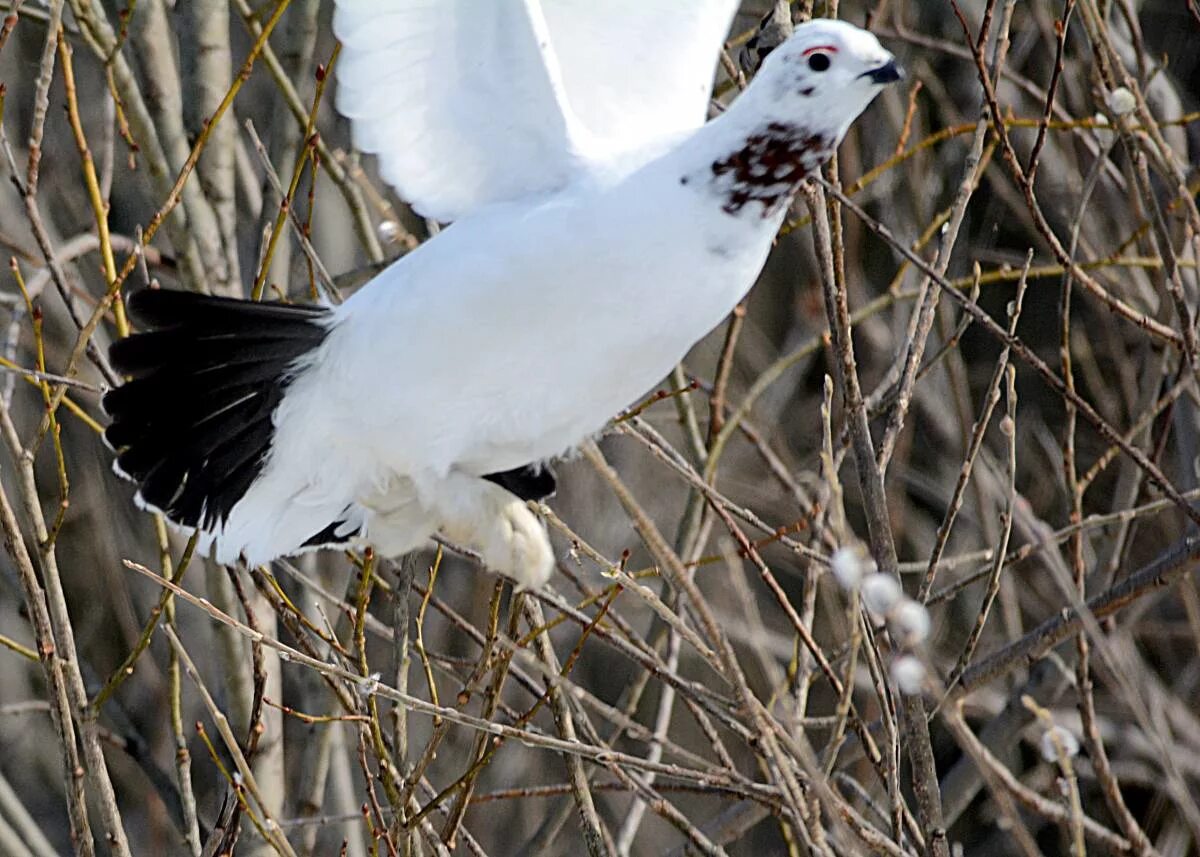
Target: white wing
(468, 102)
(638, 69)
(458, 98)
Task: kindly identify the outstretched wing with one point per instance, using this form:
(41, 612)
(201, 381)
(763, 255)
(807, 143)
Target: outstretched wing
(468, 102)
(634, 70)
(460, 99)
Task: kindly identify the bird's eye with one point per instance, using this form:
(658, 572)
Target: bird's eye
(818, 61)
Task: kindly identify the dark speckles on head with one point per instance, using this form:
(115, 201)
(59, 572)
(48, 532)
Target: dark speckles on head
(720, 250)
(806, 91)
(768, 168)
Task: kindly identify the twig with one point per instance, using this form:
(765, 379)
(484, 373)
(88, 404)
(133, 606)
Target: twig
(870, 478)
(271, 827)
(1029, 358)
(1162, 572)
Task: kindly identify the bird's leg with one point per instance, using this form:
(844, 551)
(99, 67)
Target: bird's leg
(483, 516)
(399, 523)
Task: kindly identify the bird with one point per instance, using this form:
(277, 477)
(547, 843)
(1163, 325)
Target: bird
(599, 226)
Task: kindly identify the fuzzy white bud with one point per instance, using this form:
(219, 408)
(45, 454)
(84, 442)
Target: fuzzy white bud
(848, 567)
(389, 231)
(369, 685)
(1121, 101)
(880, 593)
(1055, 737)
(911, 622)
(908, 674)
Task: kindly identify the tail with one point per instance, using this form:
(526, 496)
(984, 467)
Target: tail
(193, 426)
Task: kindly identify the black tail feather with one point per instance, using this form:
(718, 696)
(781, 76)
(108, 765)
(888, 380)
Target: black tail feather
(146, 353)
(531, 482)
(338, 533)
(152, 393)
(158, 309)
(193, 426)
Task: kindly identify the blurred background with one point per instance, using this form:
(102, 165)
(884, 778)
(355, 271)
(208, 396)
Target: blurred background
(1060, 198)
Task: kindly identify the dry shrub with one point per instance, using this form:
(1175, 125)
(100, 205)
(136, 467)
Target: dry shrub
(1012, 430)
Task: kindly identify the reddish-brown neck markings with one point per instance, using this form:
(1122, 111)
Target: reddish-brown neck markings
(769, 167)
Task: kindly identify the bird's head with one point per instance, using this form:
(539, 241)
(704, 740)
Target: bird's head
(826, 73)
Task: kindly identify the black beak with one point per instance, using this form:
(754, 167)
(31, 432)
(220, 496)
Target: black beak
(889, 72)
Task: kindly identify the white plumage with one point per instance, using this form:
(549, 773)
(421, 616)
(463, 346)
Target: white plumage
(601, 229)
(468, 102)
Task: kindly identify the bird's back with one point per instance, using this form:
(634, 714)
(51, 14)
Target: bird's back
(520, 331)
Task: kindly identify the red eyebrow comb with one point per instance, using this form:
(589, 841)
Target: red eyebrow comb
(830, 48)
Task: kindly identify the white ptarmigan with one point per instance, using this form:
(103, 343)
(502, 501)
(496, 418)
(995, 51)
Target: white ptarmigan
(601, 228)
